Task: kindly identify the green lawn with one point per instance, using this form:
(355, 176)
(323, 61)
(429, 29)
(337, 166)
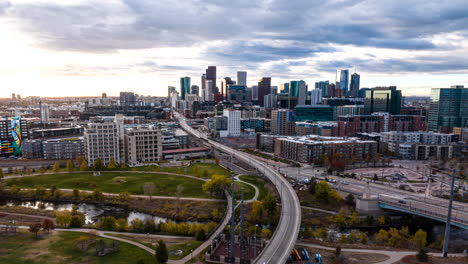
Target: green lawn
(255, 180)
(116, 182)
(60, 248)
(210, 168)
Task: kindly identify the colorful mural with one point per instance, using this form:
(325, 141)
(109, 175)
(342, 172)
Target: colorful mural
(16, 143)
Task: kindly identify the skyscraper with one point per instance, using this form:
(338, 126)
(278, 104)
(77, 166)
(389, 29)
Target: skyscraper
(354, 86)
(448, 108)
(170, 89)
(225, 82)
(298, 89)
(242, 78)
(323, 85)
(184, 87)
(195, 89)
(316, 96)
(284, 88)
(44, 112)
(127, 98)
(383, 99)
(282, 122)
(343, 76)
(264, 88)
(211, 75)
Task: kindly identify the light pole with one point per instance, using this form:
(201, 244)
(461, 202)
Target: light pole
(255, 241)
(449, 218)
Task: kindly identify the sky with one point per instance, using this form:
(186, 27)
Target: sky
(85, 48)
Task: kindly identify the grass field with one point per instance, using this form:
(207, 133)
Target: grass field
(60, 248)
(116, 182)
(255, 180)
(210, 168)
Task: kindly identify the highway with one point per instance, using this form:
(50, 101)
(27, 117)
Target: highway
(418, 203)
(285, 236)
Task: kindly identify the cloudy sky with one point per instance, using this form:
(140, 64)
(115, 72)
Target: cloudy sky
(80, 47)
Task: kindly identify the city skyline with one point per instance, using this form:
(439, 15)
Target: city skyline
(49, 49)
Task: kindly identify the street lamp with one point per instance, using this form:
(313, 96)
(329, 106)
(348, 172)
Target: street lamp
(255, 241)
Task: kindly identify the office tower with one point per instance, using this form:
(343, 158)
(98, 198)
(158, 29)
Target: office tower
(284, 88)
(13, 96)
(209, 87)
(225, 82)
(282, 122)
(255, 93)
(104, 95)
(298, 89)
(448, 108)
(203, 81)
(102, 141)
(170, 89)
(316, 96)
(238, 94)
(362, 92)
(174, 97)
(44, 112)
(242, 78)
(143, 145)
(271, 101)
(354, 86)
(342, 76)
(184, 87)
(313, 113)
(233, 126)
(323, 85)
(195, 90)
(331, 90)
(211, 75)
(264, 88)
(383, 99)
(274, 90)
(127, 98)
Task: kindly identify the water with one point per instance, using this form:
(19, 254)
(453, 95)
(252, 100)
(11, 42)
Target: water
(92, 212)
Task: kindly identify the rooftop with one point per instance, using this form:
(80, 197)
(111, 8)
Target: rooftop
(175, 151)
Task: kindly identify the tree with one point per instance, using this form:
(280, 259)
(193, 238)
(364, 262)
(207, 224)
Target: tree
(354, 219)
(381, 220)
(97, 195)
(200, 236)
(108, 223)
(339, 220)
(124, 196)
(77, 220)
(216, 185)
(149, 189)
(56, 167)
(28, 171)
(215, 214)
(121, 224)
(422, 255)
(70, 166)
(269, 205)
(161, 252)
(98, 165)
(48, 225)
(312, 185)
(257, 211)
(76, 193)
(35, 228)
(266, 233)
(137, 225)
(350, 199)
(324, 192)
(84, 166)
(419, 239)
(112, 164)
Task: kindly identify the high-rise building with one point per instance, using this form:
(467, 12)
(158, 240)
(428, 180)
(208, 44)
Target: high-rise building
(255, 93)
(102, 141)
(316, 96)
(298, 89)
(383, 99)
(170, 89)
(195, 89)
(211, 75)
(184, 87)
(13, 131)
(313, 113)
(282, 122)
(242, 78)
(331, 90)
(448, 108)
(233, 125)
(225, 82)
(143, 145)
(271, 101)
(343, 76)
(354, 86)
(284, 88)
(13, 96)
(264, 88)
(127, 98)
(362, 92)
(44, 112)
(323, 85)
(104, 95)
(209, 87)
(238, 94)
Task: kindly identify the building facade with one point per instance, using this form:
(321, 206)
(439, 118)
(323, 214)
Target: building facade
(282, 122)
(448, 108)
(101, 141)
(143, 145)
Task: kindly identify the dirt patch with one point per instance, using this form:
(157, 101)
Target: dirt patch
(119, 180)
(434, 260)
(347, 257)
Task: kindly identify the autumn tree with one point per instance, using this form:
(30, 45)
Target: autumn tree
(419, 239)
(84, 166)
(70, 166)
(35, 228)
(112, 164)
(97, 195)
(325, 193)
(48, 225)
(108, 223)
(257, 211)
(216, 185)
(56, 167)
(98, 165)
(161, 252)
(269, 205)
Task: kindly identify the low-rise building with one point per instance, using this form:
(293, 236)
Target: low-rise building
(63, 148)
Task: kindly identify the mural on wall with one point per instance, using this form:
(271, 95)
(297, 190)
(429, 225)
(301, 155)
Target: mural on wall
(16, 143)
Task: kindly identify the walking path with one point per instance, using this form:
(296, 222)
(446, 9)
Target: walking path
(318, 210)
(257, 191)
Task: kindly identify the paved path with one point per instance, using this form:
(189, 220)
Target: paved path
(27, 215)
(318, 210)
(257, 191)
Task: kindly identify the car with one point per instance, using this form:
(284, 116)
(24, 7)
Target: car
(402, 201)
(344, 182)
(330, 179)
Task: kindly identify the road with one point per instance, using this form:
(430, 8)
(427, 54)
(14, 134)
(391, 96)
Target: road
(284, 238)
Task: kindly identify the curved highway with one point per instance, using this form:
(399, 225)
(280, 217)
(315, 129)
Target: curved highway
(284, 238)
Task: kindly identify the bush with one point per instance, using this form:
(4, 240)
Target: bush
(422, 255)
(200, 235)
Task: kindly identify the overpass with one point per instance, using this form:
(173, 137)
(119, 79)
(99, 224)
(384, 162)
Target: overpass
(284, 238)
(408, 202)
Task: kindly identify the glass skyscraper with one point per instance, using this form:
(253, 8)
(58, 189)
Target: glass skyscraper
(184, 87)
(323, 85)
(354, 86)
(448, 108)
(383, 99)
(343, 80)
(298, 89)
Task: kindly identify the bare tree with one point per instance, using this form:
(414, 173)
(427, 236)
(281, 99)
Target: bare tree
(149, 189)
